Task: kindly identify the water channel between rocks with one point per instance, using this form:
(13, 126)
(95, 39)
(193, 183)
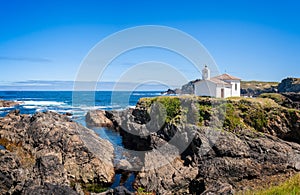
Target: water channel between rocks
(125, 179)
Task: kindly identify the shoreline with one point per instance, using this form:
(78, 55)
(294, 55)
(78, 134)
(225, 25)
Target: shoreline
(236, 147)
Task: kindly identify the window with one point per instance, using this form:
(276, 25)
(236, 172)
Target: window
(236, 86)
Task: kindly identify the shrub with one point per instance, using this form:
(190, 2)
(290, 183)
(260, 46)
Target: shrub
(204, 113)
(232, 119)
(171, 105)
(256, 118)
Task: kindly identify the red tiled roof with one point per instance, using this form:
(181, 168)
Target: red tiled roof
(226, 77)
(218, 81)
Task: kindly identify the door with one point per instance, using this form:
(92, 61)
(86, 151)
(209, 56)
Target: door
(222, 93)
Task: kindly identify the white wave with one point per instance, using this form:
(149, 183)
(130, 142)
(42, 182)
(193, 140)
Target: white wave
(41, 110)
(145, 94)
(86, 108)
(165, 94)
(30, 107)
(60, 111)
(6, 108)
(43, 103)
(29, 98)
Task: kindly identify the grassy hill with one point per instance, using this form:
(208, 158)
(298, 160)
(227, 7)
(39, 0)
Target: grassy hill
(258, 84)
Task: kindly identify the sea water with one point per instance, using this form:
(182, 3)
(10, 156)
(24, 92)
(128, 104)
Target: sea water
(62, 101)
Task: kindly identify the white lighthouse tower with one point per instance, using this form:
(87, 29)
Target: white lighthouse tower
(205, 73)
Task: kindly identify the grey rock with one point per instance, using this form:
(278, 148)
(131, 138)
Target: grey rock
(289, 85)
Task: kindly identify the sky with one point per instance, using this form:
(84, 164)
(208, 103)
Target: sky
(48, 40)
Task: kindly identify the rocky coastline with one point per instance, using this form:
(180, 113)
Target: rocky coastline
(181, 144)
(241, 155)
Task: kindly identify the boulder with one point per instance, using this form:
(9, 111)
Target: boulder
(5, 103)
(98, 118)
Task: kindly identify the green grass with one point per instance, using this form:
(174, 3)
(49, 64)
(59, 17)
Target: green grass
(289, 187)
(171, 105)
(278, 98)
(142, 191)
(231, 115)
(232, 119)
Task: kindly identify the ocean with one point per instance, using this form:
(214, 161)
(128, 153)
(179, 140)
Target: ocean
(62, 102)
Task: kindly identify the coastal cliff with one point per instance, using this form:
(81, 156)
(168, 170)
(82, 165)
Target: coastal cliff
(220, 146)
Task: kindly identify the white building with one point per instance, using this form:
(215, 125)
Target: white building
(221, 86)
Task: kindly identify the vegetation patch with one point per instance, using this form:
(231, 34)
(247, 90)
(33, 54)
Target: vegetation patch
(278, 98)
(231, 115)
(204, 113)
(291, 187)
(232, 119)
(171, 105)
(142, 191)
(93, 187)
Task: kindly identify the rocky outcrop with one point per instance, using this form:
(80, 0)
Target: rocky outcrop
(289, 85)
(185, 89)
(220, 167)
(189, 87)
(255, 88)
(288, 100)
(97, 118)
(255, 92)
(4, 103)
(293, 99)
(47, 153)
(171, 92)
(209, 146)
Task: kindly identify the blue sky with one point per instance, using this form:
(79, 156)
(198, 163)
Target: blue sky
(47, 40)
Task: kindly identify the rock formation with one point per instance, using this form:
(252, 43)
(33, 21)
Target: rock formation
(209, 146)
(97, 118)
(289, 85)
(4, 103)
(47, 153)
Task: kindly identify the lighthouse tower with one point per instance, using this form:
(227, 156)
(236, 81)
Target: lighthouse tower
(205, 73)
